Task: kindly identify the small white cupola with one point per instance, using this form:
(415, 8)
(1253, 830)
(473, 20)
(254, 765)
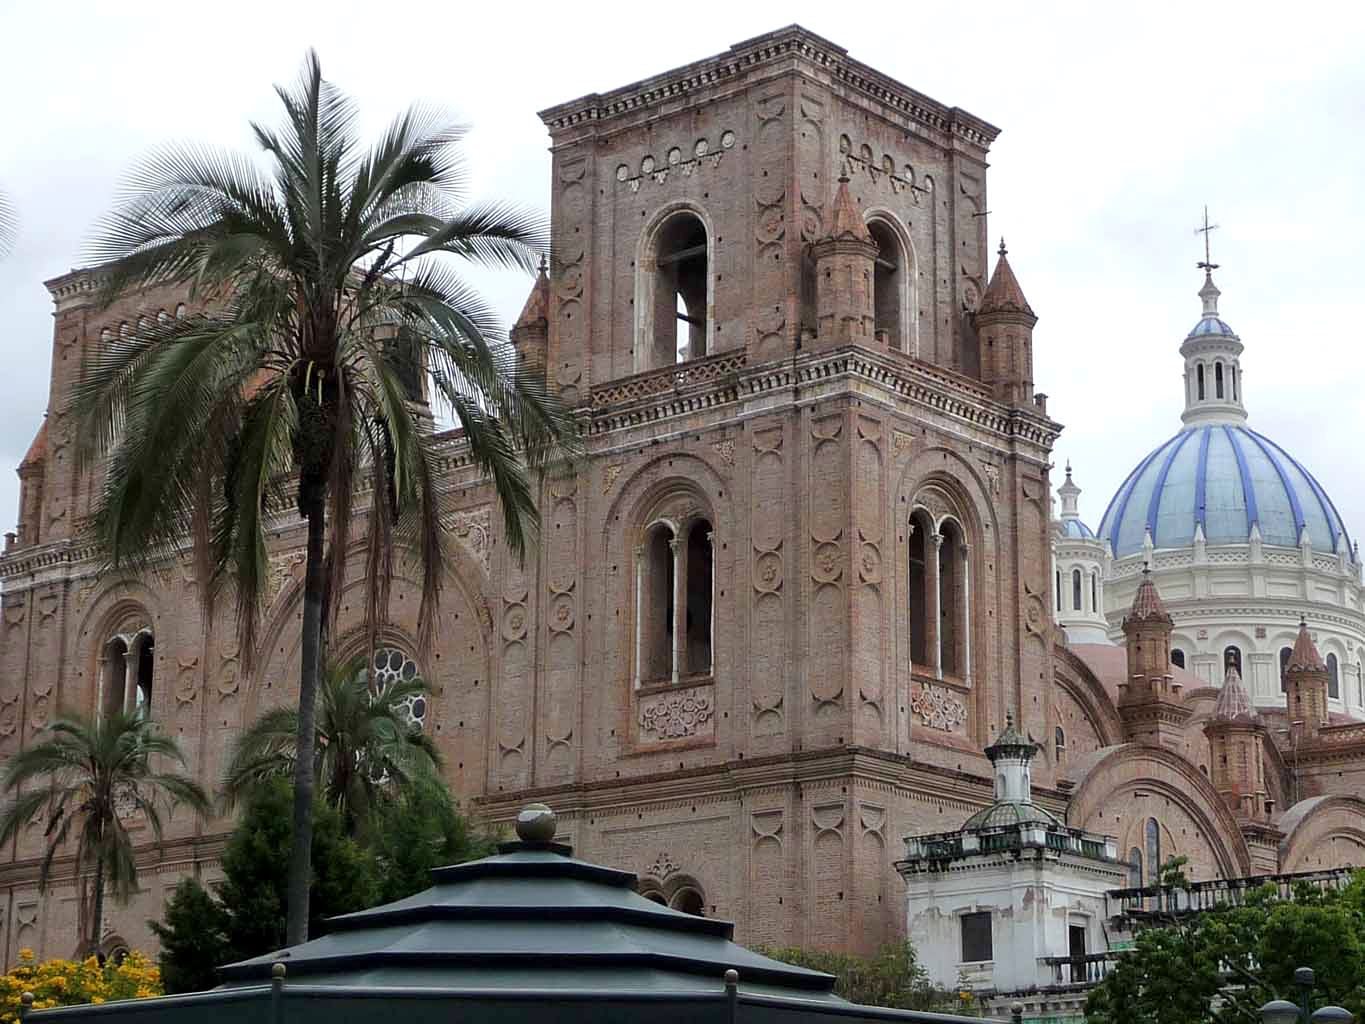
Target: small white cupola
(1011, 759)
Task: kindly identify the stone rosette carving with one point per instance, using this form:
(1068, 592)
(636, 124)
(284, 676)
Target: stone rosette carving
(473, 529)
(938, 708)
(678, 714)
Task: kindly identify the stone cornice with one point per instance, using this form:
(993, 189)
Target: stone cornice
(148, 856)
(728, 377)
(814, 54)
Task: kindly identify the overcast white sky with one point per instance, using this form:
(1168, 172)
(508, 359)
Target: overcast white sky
(1119, 123)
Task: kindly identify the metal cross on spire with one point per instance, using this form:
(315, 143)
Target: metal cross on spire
(1208, 266)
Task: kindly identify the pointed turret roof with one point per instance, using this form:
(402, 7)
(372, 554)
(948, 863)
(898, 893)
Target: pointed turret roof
(844, 220)
(537, 306)
(1011, 742)
(1233, 703)
(1147, 606)
(1305, 656)
(1003, 294)
(37, 449)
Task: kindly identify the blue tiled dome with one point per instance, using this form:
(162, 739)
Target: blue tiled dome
(1225, 478)
(1076, 530)
(1212, 325)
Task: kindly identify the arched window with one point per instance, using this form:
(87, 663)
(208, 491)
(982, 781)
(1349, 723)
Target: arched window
(391, 666)
(1059, 589)
(146, 661)
(1218, 380)
(1232, 655)
(1333, 678)
(1059, 743)
(1360, 684)
(674, 601)
(1285, 653)
(115, 671)
(1152, 838)
(1199, 377)
(680, 269)
(888, 282)
(126, 673)
(1094, 592)
(1233, 374)
(690, 901)
(700, 574)
(655, 896)
(952, 600)
(1075, 590)
(1134, 868)
(921, 530)
(180, 311)
(1177, 657)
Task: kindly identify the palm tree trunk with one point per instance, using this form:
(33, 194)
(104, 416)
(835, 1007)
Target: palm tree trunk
(97, 913)
(312, 502)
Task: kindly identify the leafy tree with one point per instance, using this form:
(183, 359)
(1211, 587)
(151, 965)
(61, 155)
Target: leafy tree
(331, 312)
(363, 740)
(255, 862)
(422, 829)
(194, 938)
(82, 777)
(893, 977)
(73, 982)
(1219, 966)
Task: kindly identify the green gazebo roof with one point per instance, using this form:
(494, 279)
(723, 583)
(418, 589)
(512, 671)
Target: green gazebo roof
(530, 934)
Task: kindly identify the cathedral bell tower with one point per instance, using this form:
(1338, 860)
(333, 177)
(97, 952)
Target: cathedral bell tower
(1149, 701)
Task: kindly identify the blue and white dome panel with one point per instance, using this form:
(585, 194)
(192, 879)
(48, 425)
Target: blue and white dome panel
(1224, 478)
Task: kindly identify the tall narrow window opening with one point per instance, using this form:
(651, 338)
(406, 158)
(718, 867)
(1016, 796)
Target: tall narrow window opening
(1218, 379)
(115, 675)
(977, 946)
(1152, 836)
(1059, 589)
(146, 660)
(1232, 655)
(1333, 678)
(1059, 743)
(700, 574)
(1134, 868)
(1076, 590)
(680, 286)
(1177, 657)
(951, 573)
(887, 284)
(1199, 378)
(656, 606)
(920, 531)
(1285, 654)
(1094, 591)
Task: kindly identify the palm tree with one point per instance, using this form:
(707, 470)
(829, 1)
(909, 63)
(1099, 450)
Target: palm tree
(364, 739)
(331, 311)
(83, 777)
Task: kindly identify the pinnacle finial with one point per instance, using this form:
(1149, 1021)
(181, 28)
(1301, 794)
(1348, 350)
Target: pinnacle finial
(1068, 469)
(1003, 250)
(544, 263)
(1207, 266)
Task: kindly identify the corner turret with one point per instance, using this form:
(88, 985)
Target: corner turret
(1004, 325)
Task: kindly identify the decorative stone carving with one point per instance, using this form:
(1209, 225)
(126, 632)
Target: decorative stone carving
(610, 474)
(186, 681)
(870, 564)
(938, 708)
(678, 714)
(725, 450)
(514, 622)
(768, 572)
(282, 569)
(901, 443)
(471, 527)
(663, 867)
(825, 565)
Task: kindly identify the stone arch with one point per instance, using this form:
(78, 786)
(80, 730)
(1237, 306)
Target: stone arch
(126, 608)
(1130, 775)
(1091, 704)
(908, 284)
(646, 273)
(1321, 831)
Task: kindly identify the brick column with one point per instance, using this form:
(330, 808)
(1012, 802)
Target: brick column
(933, 578)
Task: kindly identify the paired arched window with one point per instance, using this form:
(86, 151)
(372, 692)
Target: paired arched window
(675, 580)
(1177, 657)
(939, 597)
(126, 672)
(1285, 654)
(1076, 590)
(676, 293)
(682, 894)
(1232, 655)
(1333, 678)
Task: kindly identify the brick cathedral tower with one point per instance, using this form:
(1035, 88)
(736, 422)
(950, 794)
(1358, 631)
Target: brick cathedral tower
(1149, 703)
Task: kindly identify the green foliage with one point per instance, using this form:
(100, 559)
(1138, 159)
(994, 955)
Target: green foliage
(1220, 966)
(419, 830)
(893, 977)
(76, 777)
(194, 938)
(364, 743)
(255, 863)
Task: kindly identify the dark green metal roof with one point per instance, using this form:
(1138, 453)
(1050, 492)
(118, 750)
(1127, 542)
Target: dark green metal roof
(1012, 812)
(530, 934)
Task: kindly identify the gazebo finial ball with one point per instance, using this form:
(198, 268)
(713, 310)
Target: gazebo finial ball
(277, 971)
(731, 978)
(536, 824)
(26, 999)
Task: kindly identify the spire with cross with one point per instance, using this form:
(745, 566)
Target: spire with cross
(1208, 266)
